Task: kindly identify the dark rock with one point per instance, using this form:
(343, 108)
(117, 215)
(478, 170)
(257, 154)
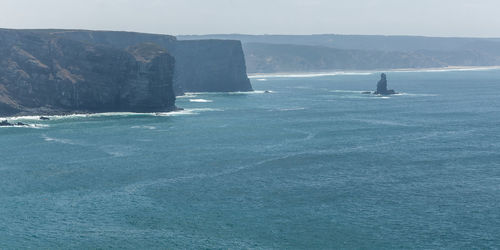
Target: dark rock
(366, 92)
(211, 66)
(382, 86)
(201, 65)
(5, 123)
(43, 118)
(42, 73)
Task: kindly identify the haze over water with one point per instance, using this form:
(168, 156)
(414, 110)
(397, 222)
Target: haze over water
(313, 164)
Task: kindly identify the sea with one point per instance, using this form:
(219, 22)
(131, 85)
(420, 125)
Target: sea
(303, 162)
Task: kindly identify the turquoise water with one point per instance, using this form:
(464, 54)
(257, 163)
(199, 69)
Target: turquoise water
(313, 164)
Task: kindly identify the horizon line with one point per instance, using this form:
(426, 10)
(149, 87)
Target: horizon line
(256, 34)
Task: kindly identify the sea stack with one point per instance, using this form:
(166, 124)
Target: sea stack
(382, 86)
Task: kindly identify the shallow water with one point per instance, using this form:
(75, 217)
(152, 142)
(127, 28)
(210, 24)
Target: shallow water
(313, 164)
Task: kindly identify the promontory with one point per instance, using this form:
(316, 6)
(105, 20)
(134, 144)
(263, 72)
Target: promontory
(45, 72)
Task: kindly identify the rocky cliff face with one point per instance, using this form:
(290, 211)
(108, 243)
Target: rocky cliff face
(211, 66)
(41, 73)
(203, 65)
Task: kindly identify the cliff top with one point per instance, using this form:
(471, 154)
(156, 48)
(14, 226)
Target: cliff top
(145, 52)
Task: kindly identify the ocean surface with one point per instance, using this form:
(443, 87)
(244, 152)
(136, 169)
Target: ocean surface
(314, 164)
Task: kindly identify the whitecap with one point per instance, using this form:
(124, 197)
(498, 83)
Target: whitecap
(20, 118)
(104, 114)
(262, 92)
(200, 100)
(446, 69)
(144, 127)
(186, 95)
(35, 126)
(58, 140)
(187, 112)
(79, 116)
(368, 72)
(261, 79)
(346, 91)
(415, 95)
(194, 94)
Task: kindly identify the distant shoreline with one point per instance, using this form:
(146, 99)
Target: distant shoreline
(368, 72)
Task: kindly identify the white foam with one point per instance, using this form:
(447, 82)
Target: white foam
(144, 127)
(187, 112)
(72, 116)
(200, 100)
(107, 114)
(186, 95)
(195, 94)
(58, 140)
(446, 69)
(347, 91)
(416, 95)
(262, 92)
(368, 72)
(307, 75)
(262, 79)
(35, 126)
(18, 118)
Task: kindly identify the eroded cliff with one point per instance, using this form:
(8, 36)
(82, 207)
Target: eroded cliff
(41, 73)
(201, 66)
(211, 66)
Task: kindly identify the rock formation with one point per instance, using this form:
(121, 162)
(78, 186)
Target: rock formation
(41, 73)
(382, 86)
(201, 65)
(6, 123)
(211, 66)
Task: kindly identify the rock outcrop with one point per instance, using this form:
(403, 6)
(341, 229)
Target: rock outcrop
(201, 65)
(42, 73)
(6, 123)
(382, 86)
(211, 66)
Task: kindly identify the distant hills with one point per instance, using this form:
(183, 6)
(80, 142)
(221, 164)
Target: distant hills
(308, 53)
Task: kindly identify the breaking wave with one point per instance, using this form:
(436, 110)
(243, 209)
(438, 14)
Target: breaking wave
(200, 100)
(187, 112)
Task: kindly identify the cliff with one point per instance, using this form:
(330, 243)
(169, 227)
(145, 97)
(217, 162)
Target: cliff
(201, 66)
(211, 66)
(269, 58)
(41, 73)
(313, 53)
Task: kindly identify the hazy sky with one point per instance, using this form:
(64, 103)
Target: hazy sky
(387, 17)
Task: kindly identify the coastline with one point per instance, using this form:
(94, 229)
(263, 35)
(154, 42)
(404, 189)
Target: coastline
(367, 72)
(34, 115)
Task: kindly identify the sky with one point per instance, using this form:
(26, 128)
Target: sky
(460, 18)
